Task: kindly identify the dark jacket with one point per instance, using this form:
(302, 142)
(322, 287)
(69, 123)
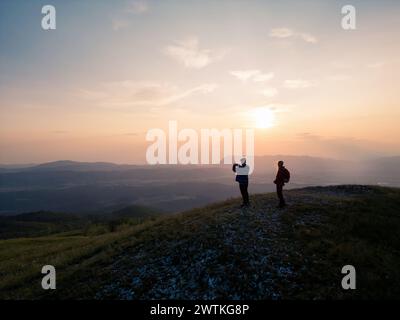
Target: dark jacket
(241, 178)
(280, 176)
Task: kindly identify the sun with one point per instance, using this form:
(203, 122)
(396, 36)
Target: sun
(263, 118)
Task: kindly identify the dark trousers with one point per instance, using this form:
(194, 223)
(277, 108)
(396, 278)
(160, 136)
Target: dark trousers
(244, 192)
(279, 192)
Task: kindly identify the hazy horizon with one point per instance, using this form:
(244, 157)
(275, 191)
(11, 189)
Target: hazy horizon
(144, 163)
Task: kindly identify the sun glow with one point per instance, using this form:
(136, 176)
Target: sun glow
(263, 118)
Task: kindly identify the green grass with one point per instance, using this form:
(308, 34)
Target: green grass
(320, 231)
(77, 258)
(362, 230)
(44, 223)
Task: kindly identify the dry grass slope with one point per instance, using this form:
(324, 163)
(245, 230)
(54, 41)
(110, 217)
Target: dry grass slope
(222, 251)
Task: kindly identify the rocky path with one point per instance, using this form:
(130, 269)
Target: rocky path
(229, 253)
(262, 252)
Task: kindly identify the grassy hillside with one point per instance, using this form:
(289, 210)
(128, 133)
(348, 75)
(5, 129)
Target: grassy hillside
(222, 251)
(45, 223)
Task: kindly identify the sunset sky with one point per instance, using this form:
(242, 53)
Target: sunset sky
(112, 70)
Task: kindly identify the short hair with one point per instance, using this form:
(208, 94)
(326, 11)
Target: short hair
(280, 163)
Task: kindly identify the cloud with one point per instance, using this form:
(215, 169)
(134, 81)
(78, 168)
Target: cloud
(376, 65)
(123, 20)
(338, 77)
(130, 93)
(298, 84)
(269, 92)
(262, 77)
(308, 136)
(190, 55)
(253, 75)
(138, 7)
(244, 75)
(118, 24)
(341, 64)
(308, 37)
(282, 33)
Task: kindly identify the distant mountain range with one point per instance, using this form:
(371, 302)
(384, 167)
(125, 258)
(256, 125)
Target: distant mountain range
(98, 187)
(67, 165)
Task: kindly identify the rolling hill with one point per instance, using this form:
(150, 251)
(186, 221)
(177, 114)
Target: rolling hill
(41, 223)
(222, 251)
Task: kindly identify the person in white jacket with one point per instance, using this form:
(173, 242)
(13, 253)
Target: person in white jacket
(242, 177)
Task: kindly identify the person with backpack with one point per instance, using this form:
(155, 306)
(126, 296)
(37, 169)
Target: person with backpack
(282, 177)
(242, 177)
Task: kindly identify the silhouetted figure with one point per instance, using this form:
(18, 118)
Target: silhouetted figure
(242, 177)
(282, 177)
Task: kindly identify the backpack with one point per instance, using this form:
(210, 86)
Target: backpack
(286, 175)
